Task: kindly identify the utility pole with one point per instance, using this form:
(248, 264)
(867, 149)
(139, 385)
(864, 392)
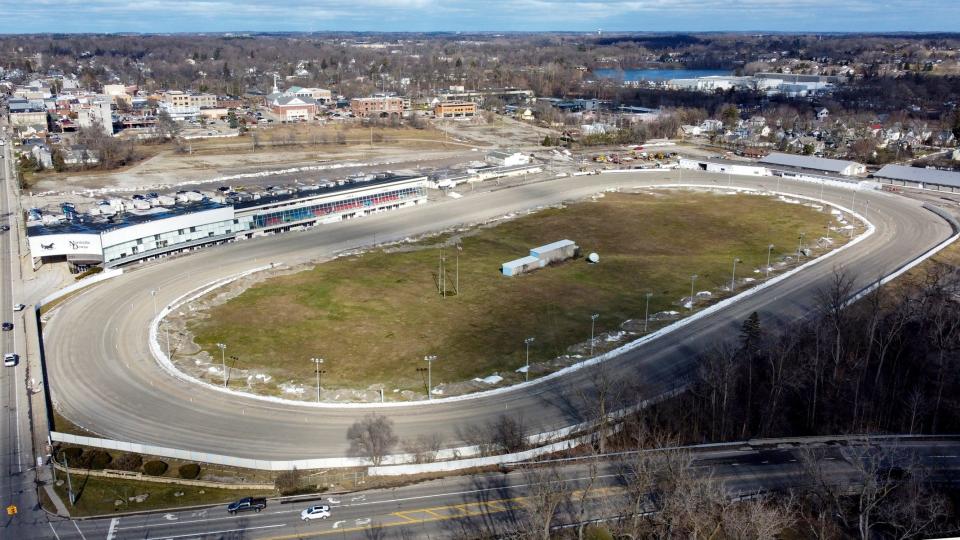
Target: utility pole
(429, 359)
(800, 249)
(593, 322)
(733, 276)
(693, 279)
(223, 361)
(528, 341)
(646, 313)
(457, 280)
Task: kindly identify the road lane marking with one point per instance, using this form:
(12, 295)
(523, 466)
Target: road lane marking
(78, 530)
(207, 533)
(54, 531)
(113, 528)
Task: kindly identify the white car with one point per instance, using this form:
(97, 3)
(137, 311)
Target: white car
(19, 307)
(320, 511)
(10, 360)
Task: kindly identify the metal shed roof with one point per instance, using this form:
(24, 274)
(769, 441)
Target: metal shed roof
(522, 261)
(916, 174)
(552, 246)
(808, 162)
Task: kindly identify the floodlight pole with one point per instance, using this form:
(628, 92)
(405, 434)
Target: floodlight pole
(733, 276)
(66, 467)
(646, 316)
(693, 279)
(318, 362)
(223, 361)
(528, 341)
(153, 293)
(593, 322)
(769, 249)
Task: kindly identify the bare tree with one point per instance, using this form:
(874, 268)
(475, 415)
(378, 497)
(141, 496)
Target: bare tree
(372, 437)
(547, 492)
(424, 448)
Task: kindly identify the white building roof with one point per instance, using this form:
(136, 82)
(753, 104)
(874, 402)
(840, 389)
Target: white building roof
(522, 261)
(916, 174)
(553, 246)
(809, 162)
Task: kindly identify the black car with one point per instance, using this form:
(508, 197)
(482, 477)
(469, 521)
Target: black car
(8, 326)
(4, 227)
(247, 503)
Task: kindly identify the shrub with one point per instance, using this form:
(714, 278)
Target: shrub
(89, 272)
(189, 471)
(128, 462)
(155, 468)
(288, 482)
(95, 459)
(71, 453)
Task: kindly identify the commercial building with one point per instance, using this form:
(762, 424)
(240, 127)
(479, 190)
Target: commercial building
(96, 115)
(292, 108)
(176, 98)
(377, 107)
(504, 158)
(540, 257)
(455, 109)
(320, 95)
(118, 232)
(920, 178)
(814, 164)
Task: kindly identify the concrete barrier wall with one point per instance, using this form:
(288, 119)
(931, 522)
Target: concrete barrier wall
(96, 278)
(140, 477)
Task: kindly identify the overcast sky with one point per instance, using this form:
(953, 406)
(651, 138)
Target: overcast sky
(31, 16)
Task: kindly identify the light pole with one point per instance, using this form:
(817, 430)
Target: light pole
(429, 359)
(800, 248)
(153, 293)
(593, 322)
(769, 249)
(318, 362)
(646, 313)
(223, 361)
(733, 276)
(527, 342)
(693, 279)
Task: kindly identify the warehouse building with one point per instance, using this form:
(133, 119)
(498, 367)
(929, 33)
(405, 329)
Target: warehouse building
(455, 109)
(917, 177)
(812, 164)
(540, 257)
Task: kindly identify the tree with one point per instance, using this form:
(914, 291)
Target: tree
(730, 115)
(167, 127)
(56, 156)
(232, 120)
(372, 437)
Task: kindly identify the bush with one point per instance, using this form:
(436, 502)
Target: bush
(128, 462)
(96, 459)
(89, 272)
(288, 482)
(71, 453)
(155, 468)
(190, 471)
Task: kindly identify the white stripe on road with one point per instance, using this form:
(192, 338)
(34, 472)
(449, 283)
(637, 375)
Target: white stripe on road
(113, 528)
(57, 536)
(225, 518)
(200, 534)
(78, 530)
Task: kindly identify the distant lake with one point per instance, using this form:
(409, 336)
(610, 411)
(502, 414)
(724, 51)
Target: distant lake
(659, 74)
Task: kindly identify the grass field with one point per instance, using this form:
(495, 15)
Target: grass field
(373, 317)
(99, 496)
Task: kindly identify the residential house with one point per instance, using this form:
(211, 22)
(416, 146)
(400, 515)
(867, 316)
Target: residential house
(41, 153)
(823, 114)
(79, 155)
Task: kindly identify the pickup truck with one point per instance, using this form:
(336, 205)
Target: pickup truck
(247, 503)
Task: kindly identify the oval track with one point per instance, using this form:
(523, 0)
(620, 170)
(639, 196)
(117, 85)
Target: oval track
(103, 377)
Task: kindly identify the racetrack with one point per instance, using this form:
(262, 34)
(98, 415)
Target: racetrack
(103, 377)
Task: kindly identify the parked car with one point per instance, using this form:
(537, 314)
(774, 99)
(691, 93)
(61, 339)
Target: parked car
(246, 504)
(19, 307)
(320, 511)
(7, 326)
(11, 359)
(4, 227)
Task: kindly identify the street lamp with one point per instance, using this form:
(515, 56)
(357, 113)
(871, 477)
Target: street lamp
(429, 360)
(318, 362)
(693, 279)
(223, 361)
(733, 276)
(800, 248)
(769, 249)
(646, 313)
(527, 342)
(593, 322)
(235, 360)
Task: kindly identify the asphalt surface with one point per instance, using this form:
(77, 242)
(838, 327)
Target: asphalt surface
(465, 506)
(104, 378)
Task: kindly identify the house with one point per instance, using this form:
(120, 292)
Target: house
(711, 125)
(79, 155)
(823, 114)
(41, 153)
(691, 131)
(525, 114)
(956, 155)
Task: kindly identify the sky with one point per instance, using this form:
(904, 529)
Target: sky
(163, 16)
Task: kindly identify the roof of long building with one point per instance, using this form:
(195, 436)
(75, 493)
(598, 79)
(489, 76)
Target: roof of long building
(917, 174)
(808, 162)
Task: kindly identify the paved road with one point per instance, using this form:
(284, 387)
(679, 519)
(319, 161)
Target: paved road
(459, 506)
(104, 378)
